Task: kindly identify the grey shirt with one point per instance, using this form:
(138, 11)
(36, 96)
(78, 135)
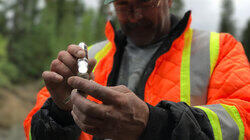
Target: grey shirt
(134, 61)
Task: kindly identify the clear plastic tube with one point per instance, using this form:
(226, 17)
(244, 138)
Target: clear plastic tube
(83, 63)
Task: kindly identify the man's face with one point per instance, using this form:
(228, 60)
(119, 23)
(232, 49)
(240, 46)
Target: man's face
(143, 21)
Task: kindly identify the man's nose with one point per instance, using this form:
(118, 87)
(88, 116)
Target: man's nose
(135, 15)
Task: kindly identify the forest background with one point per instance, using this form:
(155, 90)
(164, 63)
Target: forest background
(32, 32)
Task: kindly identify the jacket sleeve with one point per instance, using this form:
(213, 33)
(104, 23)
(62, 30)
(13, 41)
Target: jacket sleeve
(50, 122)
(47, 121)
(227, 112)
(177, 121)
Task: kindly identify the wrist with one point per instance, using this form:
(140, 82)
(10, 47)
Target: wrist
(65, 104)
(62, 117)
(144, 115)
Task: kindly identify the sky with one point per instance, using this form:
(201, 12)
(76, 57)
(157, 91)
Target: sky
(206, 13)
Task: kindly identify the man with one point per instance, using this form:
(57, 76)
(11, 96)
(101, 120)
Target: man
(180, 83)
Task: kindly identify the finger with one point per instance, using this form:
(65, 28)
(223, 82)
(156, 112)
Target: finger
(121, 89)
(88, 107)
(60, 68)
(79, 92)
(86, 128)
(68, 60)
(76, 51)
(86, 119)
(92, 76)
(91, 65)
(51, 77)
(97, 91)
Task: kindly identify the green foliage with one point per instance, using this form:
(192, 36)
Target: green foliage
(8, 71)
(3, 43)
(3, 21)
(4, 81)
(3, 78)
(227, 23)
(86, 33)
(246, 39)
(38, 35)
(100, 22)
(31, 53)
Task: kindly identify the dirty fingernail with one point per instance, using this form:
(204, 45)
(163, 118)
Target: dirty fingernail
(80, 53)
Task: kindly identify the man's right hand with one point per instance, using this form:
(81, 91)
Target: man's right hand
(61, 69)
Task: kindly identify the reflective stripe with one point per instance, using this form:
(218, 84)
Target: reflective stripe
(214, 50)
(231, 125)
(199, 67)
(232, 110)
(204, 56)
(103, 52)
(185, 69)
(30, 138)
(94, 49)
(214, 121)
(229, 128)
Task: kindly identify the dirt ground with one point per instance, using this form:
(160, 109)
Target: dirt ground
(15, 104)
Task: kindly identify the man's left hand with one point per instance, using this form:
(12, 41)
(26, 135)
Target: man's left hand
(122, 115)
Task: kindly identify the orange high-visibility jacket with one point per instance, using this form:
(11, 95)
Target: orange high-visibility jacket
(206, 70)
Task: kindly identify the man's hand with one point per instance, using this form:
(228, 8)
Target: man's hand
(62, 68)
(121, 116)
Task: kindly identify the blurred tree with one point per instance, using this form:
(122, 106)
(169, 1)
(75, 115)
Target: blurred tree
(8, 71)
(3, 23)
(22, 22)
(49, 23)
(78, 10)
(100, 22)
(86, 33)
(37, 35)
(28, 47)
(177, 8)
(33, 41)
(68, 24)
(246, 39)
(227, 23)
(32, 53)
(3, 19)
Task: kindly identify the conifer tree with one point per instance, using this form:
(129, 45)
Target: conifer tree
(100, 22)
(227, 23)
(246, 39)
(177, 8)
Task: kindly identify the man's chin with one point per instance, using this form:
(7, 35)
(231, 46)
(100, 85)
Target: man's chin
(141, 41)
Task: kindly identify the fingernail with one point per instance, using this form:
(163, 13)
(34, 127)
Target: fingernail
(80, 53)
(59, 77)
(70, 80)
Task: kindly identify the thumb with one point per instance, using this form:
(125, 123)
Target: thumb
(51, 79)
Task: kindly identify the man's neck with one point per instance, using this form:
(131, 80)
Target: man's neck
(169, 26)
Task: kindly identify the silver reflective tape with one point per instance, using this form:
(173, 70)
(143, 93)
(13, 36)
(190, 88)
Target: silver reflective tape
(229, 128)
(199, 67)
(96, 48)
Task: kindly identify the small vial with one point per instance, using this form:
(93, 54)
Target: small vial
(83, 63)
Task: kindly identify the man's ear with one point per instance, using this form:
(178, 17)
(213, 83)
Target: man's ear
(170, 3)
